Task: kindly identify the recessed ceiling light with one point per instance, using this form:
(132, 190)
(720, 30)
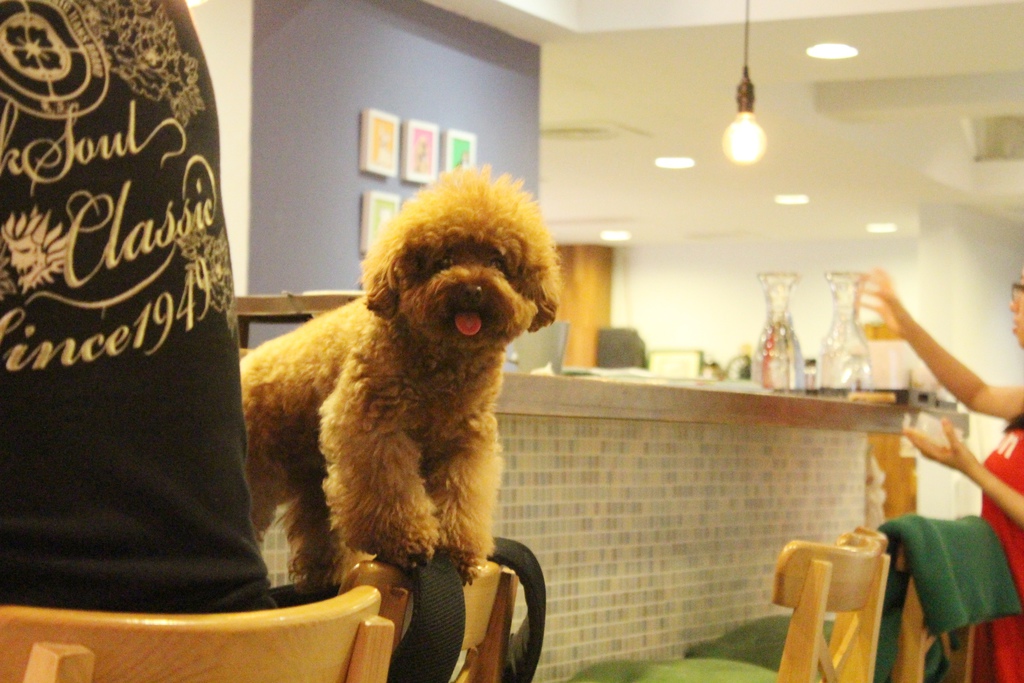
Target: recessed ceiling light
(674, 162)
(616, 235)
(791, 199)
(831, 51)
(880, 228)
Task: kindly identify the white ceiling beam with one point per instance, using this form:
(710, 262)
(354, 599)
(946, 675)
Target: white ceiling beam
(617, 15)
(891, 99)
(536, 21)
(540, 21)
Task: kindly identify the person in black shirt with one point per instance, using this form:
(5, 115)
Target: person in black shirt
(121, 432)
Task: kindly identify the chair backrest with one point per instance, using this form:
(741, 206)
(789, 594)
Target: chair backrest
(915, 639)
(340, 640)
(490, 601)
(846, 578)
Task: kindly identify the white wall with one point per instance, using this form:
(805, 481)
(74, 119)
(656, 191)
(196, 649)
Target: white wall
(968, 262)
(955, 278)
(707, 296)
(225, 31)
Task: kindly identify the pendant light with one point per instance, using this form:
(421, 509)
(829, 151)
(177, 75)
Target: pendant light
(744, 141)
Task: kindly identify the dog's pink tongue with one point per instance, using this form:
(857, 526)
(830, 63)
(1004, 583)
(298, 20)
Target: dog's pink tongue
(468, 322)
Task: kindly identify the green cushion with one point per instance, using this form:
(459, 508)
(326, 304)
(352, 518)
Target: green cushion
(679, 671)
(759, 642)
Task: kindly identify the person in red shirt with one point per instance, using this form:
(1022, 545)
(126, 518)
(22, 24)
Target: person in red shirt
(999, 646)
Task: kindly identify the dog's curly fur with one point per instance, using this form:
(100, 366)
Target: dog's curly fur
(376, 421)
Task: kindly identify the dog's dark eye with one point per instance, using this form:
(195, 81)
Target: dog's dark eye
(499, 263)
(445, 263)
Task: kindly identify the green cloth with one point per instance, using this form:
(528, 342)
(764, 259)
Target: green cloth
(962, 578)
(758, 642)
(750, 653)
(678, 671)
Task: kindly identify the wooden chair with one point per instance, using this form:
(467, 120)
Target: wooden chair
(340, 640)
(914, 640)
(948, 576)
(847, 578)
(490, 601)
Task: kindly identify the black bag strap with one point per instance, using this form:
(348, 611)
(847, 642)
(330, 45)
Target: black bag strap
(430, 648)
(525, 644)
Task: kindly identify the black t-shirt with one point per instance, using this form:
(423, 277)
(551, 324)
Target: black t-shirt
(121, 432)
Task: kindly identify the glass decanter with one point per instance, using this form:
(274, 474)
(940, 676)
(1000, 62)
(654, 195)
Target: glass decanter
(844, 363)
(777, 362)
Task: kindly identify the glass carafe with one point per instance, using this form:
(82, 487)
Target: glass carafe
(777, 362)
(845, 360)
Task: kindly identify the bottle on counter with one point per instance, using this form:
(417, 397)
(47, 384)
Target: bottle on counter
(811, 374)
(739, 367)
(845, 358)
(778, 362)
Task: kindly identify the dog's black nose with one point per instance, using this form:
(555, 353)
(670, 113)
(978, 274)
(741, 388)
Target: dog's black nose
(472, 295)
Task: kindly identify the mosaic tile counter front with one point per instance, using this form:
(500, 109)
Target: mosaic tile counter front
(655, 535)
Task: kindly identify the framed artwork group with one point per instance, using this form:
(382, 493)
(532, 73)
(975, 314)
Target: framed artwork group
(415, 150)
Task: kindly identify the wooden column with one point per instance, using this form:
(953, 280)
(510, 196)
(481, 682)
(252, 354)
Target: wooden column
(586, 299)
(900, 473)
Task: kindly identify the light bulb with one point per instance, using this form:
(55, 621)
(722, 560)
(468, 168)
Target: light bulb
(744, 141)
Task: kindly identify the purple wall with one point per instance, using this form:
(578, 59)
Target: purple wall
(316, 65)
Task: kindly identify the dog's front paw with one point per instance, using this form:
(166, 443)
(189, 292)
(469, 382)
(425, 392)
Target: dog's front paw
(408, 548)
(412, 553)
(468, 565)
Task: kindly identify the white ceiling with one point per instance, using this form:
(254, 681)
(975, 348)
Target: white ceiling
(869, 139)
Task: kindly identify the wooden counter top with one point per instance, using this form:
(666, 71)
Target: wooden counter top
(608, 398)
(286, 308)
(524, 394)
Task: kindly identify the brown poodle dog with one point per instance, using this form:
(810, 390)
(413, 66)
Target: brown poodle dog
(376, 421)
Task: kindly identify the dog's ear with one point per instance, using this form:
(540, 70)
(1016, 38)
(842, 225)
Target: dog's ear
(546, 294)
(382, 300)
(381, 282)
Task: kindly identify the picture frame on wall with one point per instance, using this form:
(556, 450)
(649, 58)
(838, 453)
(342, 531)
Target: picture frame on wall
(378, 208)
(419, 151)
(378, 148)
(676, 363)
(459, 149)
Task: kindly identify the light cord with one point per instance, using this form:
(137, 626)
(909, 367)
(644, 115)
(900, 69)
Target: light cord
(746, 36)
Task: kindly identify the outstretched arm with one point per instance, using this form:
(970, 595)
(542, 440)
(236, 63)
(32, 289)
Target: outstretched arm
(1006, 402)
(960, 458)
